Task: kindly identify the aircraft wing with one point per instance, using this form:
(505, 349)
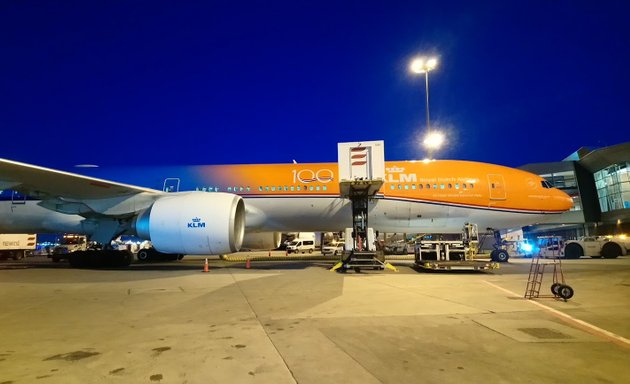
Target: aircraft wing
(46, 183)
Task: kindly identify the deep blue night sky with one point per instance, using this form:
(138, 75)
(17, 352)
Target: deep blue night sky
(212, 82)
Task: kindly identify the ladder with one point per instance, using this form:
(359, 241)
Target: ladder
(534, 281)
(559, 288)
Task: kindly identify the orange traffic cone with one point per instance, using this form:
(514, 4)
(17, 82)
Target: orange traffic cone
(205, 266)
(248, 264)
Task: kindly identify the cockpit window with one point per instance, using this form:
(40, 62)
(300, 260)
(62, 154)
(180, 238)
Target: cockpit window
(546, 184)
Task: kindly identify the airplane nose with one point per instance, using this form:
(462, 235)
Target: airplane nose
(565, 201)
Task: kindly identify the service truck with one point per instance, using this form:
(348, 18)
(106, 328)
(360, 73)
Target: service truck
(17, 246)
(67, 244)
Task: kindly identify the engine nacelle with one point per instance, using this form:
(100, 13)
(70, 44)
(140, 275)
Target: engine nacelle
(262, 240)
(194, 223)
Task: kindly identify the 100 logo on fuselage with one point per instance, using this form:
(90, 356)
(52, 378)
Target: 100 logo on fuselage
(310, 176)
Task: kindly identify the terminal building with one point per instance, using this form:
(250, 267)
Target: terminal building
(599, 182)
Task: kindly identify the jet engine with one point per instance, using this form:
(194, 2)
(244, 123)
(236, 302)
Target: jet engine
(262, 240)
(194, 223)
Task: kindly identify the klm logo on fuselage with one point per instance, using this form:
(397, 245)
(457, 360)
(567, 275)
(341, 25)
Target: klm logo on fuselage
(396, 175)
(196, 223)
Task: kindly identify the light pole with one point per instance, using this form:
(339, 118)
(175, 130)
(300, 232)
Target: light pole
(424, 65)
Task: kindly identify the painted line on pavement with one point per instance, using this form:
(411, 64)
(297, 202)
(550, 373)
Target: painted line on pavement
(619, 340)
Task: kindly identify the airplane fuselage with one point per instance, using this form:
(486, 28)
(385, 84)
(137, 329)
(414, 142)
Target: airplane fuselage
(416, 196)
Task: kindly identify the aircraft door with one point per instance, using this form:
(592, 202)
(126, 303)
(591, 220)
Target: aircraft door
(17, 198)
(171, 184)
(496, 184)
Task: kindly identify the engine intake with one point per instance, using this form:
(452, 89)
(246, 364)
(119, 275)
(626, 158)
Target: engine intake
(194, 223)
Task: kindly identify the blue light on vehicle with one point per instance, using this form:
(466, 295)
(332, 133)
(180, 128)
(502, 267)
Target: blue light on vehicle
(527, 247)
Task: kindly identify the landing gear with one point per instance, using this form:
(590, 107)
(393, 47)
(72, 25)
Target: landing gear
(143, 255)
(150, 254)
(499, 255)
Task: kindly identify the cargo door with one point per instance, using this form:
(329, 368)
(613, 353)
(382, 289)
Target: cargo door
(496, 185)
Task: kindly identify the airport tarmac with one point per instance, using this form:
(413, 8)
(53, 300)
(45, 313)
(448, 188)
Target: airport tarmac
(297, 322)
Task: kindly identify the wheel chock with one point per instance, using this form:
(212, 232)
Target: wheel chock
(390, 267)
(336, 266)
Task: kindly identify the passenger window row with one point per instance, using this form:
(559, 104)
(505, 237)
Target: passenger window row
(432, 186)
(266, 188)
(293, 188)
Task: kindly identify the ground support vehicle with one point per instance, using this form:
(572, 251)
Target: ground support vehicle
(17, 246)
(399, 248)
(608, 247)
(68, 244)
(333, 248)
(451, 254)
(301, 246)
(559, 288)
(550, 247)
(360, 178)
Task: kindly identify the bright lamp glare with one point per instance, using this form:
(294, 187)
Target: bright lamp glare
(422, 65)
(434, 140)
(527, 247)
(417, 66)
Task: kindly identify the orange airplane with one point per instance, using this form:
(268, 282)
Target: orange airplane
(217, 209)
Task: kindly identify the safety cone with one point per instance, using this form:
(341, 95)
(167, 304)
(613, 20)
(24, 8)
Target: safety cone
(248, 264)
(269, 253)
(205, 266)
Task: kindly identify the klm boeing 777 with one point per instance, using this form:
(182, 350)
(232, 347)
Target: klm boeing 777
(217, 209)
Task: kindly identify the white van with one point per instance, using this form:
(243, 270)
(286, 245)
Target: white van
(301, 245)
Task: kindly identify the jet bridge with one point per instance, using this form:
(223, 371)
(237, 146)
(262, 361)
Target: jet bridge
(361, 176)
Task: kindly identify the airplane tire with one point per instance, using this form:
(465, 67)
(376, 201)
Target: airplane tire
(573, 251)
(143, 255)
(611, 250)
(565, 292)
(499, 255)
(310, 251)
